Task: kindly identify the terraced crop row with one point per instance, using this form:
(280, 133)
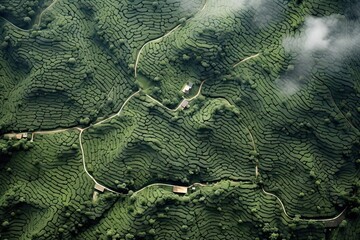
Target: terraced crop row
(45, 193)
(297, 121)
(215, 39)
(306, 135)
(148, 144)
(222, 211)
(77, 63)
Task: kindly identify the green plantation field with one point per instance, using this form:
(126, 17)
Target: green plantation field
(148, 144)
(180, 119)
(223, 211)
(45, 194)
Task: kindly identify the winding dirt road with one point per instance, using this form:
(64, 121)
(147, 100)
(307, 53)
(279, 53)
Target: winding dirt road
(246, 59)
(158, 40)
(179, 106)
(81, 130)
(149, 42)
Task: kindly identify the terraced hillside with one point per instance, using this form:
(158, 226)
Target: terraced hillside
(179, 119)
(148, 144)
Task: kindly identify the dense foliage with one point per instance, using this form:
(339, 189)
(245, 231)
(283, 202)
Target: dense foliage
(270, 140)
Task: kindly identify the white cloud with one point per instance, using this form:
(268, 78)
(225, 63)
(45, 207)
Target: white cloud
(332, 37)
(290, 87)
(223, 7)
(239, 4)
(316, 35)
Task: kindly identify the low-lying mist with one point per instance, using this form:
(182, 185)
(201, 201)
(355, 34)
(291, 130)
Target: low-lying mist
(331, 40)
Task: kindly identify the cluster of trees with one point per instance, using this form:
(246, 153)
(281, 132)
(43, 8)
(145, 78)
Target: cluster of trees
(20, 12)
(7, 147)
(208, 62)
